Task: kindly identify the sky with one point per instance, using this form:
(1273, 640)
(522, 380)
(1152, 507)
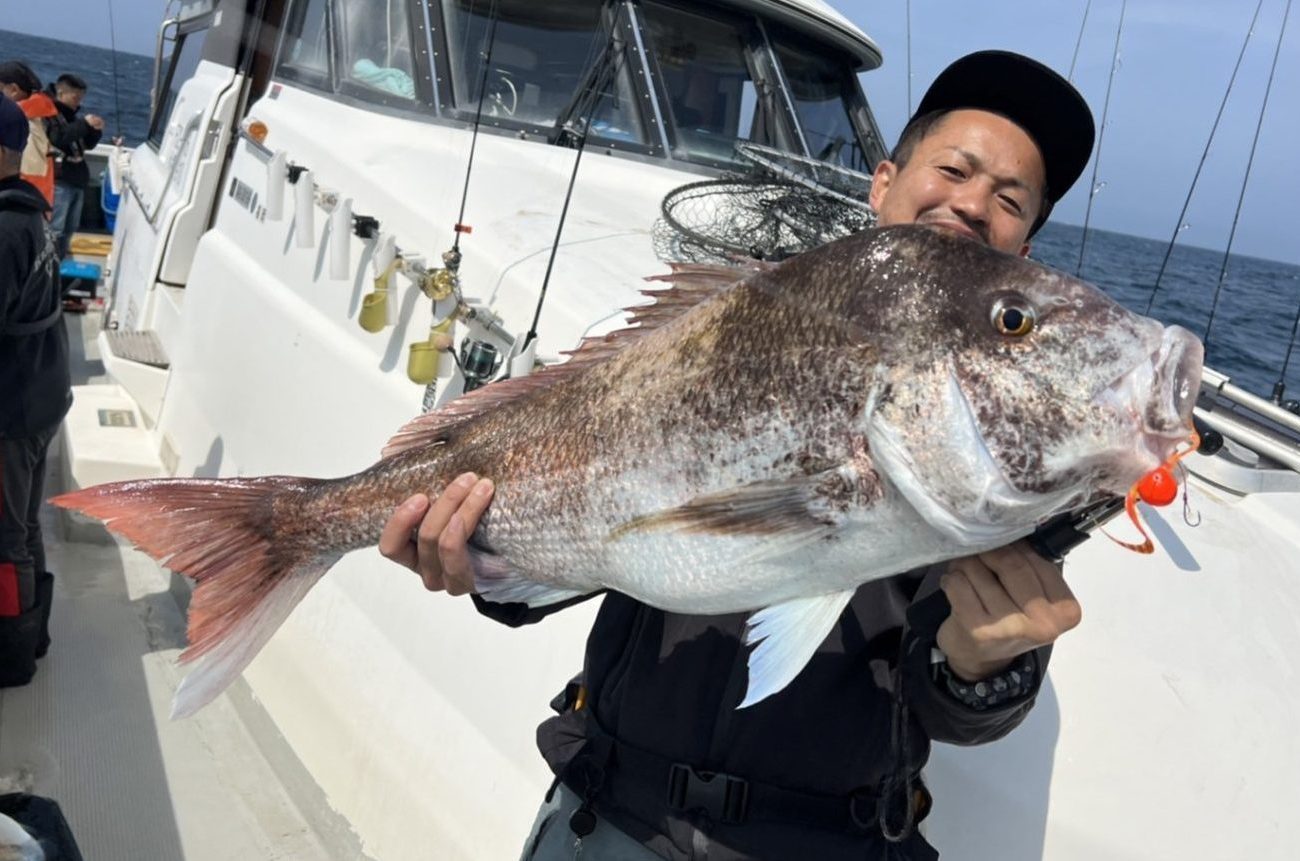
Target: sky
(1175, 59)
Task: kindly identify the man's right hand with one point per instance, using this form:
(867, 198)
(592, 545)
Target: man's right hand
(95, 121)
(431, 538)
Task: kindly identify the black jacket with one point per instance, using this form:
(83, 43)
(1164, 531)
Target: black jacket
(35, 389)
(665, 688)
(71, 135)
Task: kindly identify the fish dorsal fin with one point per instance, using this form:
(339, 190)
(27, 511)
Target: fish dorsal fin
(692, 283)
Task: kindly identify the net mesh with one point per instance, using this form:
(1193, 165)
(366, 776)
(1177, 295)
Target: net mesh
(783, 205)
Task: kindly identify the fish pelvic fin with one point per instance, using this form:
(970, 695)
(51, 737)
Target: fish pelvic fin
(784, 637)
(221, 533)
(787, 507)
(692, 283)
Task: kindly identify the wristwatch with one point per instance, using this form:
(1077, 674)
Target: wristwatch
(1013, 683)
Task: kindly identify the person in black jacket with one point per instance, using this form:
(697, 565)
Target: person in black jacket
(35, 393)
(71, 136)
(651, 755)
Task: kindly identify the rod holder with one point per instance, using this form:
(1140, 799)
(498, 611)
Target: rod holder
(425, 358)
(276, 177)
(304, 210)
(377, 311)
(341, 239)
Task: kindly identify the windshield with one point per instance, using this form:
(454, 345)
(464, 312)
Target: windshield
(540, 54)
(822, 93)
(714, 98)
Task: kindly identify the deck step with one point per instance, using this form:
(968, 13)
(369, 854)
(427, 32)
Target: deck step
(137, 362)
(104, 439)
(137, 346)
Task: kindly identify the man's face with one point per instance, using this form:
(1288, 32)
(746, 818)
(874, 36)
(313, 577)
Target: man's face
(70, 97)
(974, 173)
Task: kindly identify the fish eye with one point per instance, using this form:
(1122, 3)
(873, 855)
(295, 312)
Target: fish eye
(1012, 318)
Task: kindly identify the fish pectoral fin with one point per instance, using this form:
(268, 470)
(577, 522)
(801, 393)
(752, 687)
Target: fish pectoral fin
(784, 637)
(496, 580)
(782, 508)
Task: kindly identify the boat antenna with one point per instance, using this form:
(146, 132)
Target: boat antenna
(117, 101)
(1079, 41)
(478, 121)
(606, 68)
(1179, 225)
(1245, 180)
(1101, 134)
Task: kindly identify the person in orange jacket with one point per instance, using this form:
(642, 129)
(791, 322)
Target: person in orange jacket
(19, 82)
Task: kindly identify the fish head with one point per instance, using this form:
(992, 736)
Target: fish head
(1014, 392)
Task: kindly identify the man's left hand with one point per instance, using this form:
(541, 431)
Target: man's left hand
(95, 121)
(1004, 603)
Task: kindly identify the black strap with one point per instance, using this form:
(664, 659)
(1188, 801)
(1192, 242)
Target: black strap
(657, 787)
(19, 330)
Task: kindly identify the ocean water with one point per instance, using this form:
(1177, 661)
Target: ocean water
(1258, 301)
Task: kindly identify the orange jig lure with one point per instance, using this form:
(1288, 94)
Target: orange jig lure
(1158, 487)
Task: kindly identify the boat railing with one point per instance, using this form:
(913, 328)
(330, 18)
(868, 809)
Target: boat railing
(1266, 428)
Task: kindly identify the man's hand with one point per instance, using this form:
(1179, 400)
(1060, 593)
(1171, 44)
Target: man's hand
(432, 538)
(95, 121)
(1004, 603)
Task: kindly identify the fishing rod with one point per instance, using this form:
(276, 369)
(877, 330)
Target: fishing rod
(1245, 180)
(1101, 133)
(909, 57)
(117, 102)
(478, 121)
(604, 73)
(1279, 388)
(1079, 41)
(1179, 225)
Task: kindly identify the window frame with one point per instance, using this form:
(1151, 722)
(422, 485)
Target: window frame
(633, 70)
(763, 68)
(310, 78)
(163, 107)
(344, 86)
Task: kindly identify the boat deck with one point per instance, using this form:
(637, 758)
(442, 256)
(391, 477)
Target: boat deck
(92, 729)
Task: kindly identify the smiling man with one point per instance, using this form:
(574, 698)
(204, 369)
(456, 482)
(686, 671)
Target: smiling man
(651, 756)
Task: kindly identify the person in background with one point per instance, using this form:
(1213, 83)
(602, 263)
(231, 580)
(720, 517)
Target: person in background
(71, 136)
(19, 83)
(35, 394)
(651, 756)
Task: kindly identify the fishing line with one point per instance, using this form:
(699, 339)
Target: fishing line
(598, 86)
(117, 102)
(478, 115)
(1245, 180)
(1079, 41)
(1178, 225)
(1101, 133)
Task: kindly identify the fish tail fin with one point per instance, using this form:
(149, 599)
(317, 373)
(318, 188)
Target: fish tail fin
(225, 535)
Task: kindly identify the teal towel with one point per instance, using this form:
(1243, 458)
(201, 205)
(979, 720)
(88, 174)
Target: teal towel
(393, 81)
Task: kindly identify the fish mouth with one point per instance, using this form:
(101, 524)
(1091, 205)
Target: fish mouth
(1158, 395)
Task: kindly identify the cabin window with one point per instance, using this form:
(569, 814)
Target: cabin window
(824, 97)
(305, 53)
(713, 92)
(175, 69)
(542, 55)
(376, 48)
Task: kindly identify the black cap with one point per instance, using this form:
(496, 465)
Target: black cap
(1031, 95)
